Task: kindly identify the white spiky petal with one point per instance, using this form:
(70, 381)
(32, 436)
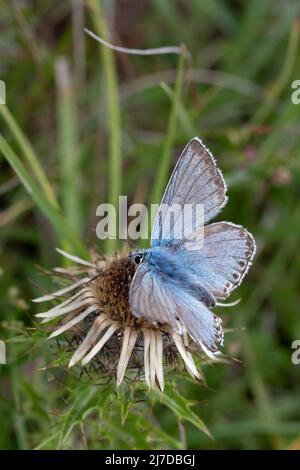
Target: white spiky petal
(61, 292)
(129, 340)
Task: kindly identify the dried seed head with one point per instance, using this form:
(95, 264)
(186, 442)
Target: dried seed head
(95, 308)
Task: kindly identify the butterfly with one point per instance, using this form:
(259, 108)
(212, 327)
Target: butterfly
(179, 280)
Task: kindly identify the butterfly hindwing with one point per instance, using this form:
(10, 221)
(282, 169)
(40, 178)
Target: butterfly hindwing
(223, 260)
(157, 301)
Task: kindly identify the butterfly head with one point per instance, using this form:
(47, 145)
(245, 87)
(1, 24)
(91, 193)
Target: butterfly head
(138, 257)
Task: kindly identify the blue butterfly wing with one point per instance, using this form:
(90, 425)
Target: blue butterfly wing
(195, 180)
(155, 299)
(221, 260)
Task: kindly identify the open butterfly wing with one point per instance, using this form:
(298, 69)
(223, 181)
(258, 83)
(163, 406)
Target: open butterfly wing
(152, 298)
(222, 260)
(195, 180)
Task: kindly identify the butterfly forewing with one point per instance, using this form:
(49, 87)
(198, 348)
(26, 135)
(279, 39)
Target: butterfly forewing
(196, 180)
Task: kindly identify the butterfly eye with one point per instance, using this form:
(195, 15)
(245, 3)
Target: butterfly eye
(138, 259)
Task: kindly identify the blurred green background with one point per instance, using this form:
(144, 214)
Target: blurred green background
(100, 124)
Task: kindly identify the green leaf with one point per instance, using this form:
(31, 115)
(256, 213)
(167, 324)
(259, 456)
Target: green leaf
(180, 406)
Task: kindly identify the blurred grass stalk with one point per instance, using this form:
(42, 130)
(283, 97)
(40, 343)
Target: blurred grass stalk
(68, 148)
(78, 42)
(182, 115)
(164, 166)
(18, 416)
(52, 214)
(113, 113)
(282, 82)
(260, 390)
(68, 227)
(29, 154)
(177, 111)
(268, 412)
(28, 37)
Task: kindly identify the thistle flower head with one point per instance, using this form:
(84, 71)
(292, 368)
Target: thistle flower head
(94, 307)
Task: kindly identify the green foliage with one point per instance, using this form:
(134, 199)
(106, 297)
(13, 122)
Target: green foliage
(117, 128)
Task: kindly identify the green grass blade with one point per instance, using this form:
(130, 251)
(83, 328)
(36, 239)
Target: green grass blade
(183, 117)
(19, 421)
(68, 146)
(29, 154)
(163, 169)
(284, 76)
(57, 220)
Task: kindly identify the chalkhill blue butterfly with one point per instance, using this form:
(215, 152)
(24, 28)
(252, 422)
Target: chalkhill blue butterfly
(134, 309)
(178, 280)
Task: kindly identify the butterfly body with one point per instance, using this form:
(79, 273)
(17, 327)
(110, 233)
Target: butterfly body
(179, 278)
(168, 268)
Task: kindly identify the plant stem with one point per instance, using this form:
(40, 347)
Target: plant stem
(113, 115)
(163, 169)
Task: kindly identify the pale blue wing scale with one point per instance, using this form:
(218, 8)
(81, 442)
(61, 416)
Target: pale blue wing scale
(222, 259)
(195, 180)
(146, 299)
(158, 302)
